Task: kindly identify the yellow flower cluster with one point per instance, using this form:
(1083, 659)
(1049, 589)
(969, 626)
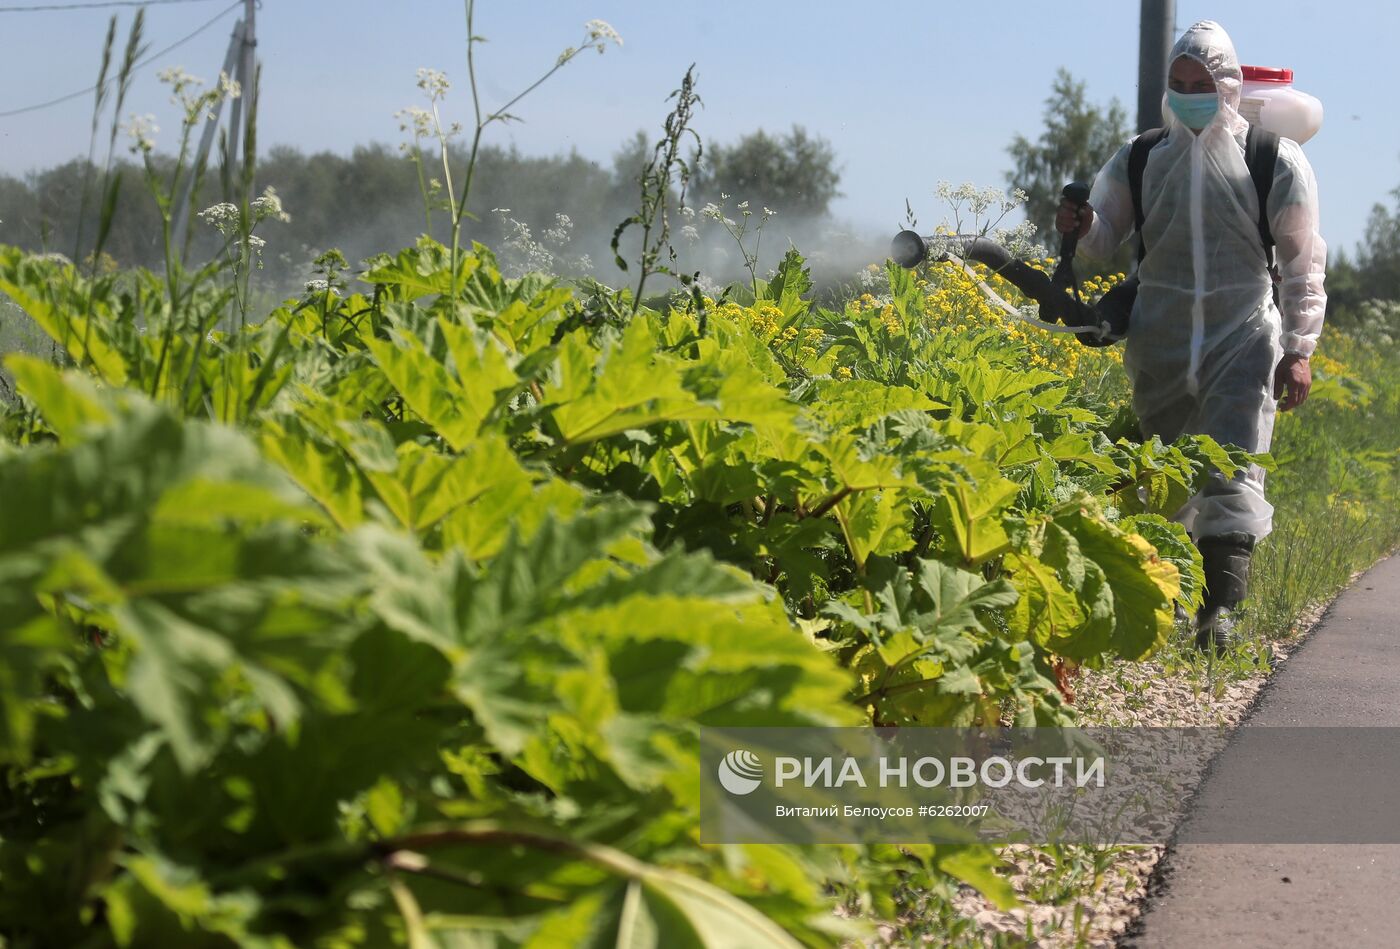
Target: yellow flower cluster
(863, 302)
(1096, 287)
(952, 300)
(949, 299)
(765, 319)
(1329, 366)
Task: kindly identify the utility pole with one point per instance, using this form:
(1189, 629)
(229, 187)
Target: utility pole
(246, 73)
(181, 218)
(240, 65)
(1158, 28)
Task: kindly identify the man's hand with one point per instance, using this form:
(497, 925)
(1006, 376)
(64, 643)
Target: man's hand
(1292, 380)
(1074, 217)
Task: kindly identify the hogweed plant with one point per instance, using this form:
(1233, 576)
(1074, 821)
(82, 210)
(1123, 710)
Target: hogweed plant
(428, 125)
(71, 302)
(242, 248)
(522, 253)
(196, 104)
(740, 230)
(419, 123)
(980, 211)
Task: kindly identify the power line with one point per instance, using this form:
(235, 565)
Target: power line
(139, 64)
(96, 5)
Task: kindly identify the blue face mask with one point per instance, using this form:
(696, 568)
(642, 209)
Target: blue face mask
(1195, 110)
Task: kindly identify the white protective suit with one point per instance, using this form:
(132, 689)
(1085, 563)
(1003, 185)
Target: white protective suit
(1204, 336)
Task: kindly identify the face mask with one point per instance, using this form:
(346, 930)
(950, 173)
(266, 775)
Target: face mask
(1195, 110)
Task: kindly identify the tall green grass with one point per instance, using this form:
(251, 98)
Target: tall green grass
(1336, 491)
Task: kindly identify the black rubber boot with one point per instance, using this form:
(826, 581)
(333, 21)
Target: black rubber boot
(1226, 561)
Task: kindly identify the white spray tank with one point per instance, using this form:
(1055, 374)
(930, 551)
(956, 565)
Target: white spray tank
(1268, 100)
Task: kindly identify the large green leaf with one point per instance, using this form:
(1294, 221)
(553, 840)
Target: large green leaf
(419, 271)
(53, 299)
(969, 515)
(67, 402)
(455, 405)
(856, 403)
(1143, 585)
(632, 386)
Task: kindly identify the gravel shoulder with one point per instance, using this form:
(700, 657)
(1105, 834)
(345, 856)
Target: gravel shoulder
(1067, 905)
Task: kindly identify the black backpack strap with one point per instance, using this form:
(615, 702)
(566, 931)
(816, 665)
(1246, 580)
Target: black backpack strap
(1137, 164)
(1260, 154)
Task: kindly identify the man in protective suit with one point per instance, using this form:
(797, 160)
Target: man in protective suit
(1207, 350)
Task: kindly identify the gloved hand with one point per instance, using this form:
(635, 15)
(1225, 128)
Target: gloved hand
(1292, 380)
(1074, 217)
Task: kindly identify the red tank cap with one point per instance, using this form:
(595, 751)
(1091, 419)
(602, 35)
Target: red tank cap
(1266, 74)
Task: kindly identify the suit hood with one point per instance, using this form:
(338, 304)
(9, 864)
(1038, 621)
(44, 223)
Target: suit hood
(1209, 44)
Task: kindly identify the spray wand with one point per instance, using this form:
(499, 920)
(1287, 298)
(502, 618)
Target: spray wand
(1094, 325)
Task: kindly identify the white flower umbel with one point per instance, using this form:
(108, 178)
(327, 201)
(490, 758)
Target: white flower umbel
(269, 205)
(562, 230)
(222, 216)
(415, 120)
(196, 102)
(601, 33)
(987, 207)
(229, 88)
(433, 82)
(142, 129)
(1019, 241)
(179, 82)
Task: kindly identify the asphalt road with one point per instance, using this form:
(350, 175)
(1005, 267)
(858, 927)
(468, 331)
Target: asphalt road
(1285, 894)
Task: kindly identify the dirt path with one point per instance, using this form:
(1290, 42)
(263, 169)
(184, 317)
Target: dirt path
(1346, 673)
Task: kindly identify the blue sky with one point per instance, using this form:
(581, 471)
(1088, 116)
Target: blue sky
(908, 93)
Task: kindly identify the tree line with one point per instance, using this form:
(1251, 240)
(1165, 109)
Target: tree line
(371, 200)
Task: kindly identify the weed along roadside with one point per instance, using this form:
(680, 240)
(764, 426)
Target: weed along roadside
(395, 612)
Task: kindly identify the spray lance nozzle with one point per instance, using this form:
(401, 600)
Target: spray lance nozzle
(1103, 323)
(908, 249)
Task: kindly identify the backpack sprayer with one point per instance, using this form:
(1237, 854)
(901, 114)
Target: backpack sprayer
(1269, 103)
(1061, 311)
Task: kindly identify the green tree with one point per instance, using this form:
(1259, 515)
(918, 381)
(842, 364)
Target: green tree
(369, 199)
(1378, 256)
(629, 161)
(1078, 138)
(794, 174)
(1372, 272)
